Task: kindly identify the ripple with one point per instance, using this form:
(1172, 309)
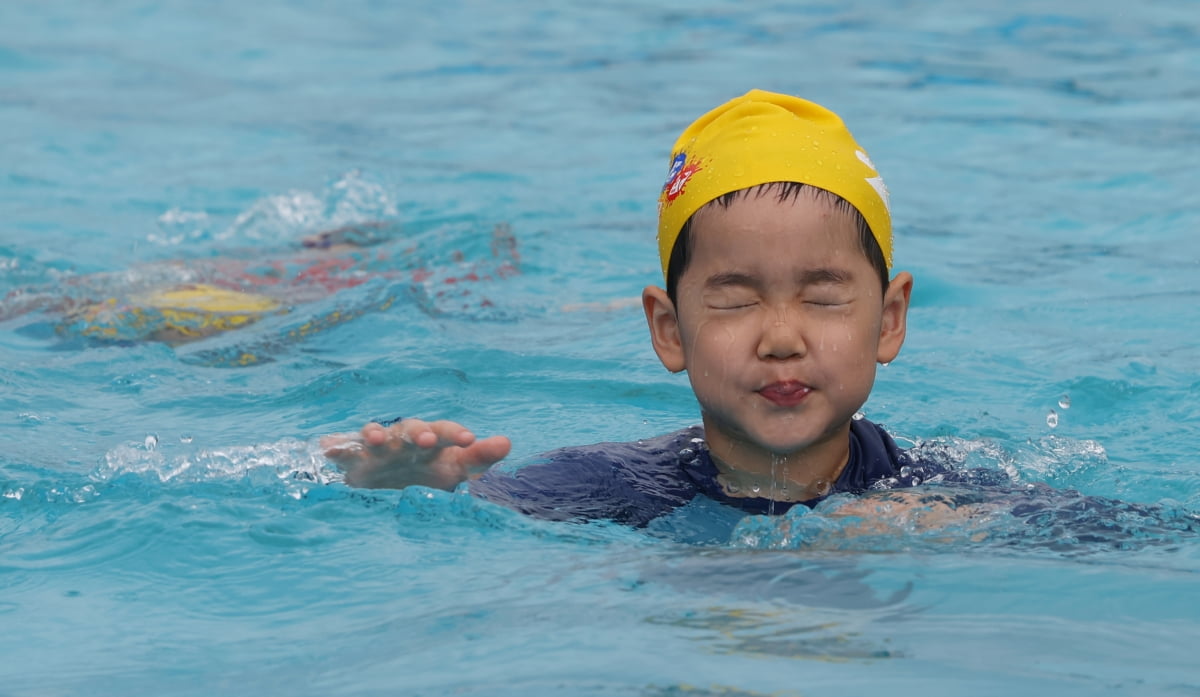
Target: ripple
(1034, 519)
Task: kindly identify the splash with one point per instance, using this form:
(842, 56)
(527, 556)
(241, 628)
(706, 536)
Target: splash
(962, 518)
(345, 256)
(298, 463)
(352, 199)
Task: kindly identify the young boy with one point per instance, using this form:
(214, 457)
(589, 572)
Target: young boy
(775, 240)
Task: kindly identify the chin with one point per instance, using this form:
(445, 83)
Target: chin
(777, 444)
(789, 441)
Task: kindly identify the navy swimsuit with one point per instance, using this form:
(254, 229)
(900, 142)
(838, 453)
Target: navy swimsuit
(634, 483)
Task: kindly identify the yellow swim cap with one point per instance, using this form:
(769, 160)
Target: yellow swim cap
(764, 137)
(177, 314)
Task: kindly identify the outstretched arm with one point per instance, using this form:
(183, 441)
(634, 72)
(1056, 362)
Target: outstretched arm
(438, 454)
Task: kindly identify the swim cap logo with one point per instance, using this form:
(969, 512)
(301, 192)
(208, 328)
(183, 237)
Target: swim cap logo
(677, 178)
(876, 181)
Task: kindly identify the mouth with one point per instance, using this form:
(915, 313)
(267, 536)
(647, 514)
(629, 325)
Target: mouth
(785, 394)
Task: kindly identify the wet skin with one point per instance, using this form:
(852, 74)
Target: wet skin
(780, 324)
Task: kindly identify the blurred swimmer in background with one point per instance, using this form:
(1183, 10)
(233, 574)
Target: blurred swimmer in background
(182, 301)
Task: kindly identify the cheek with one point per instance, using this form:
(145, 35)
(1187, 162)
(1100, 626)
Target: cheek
(851, 337)
(717, 339)
(712, 348)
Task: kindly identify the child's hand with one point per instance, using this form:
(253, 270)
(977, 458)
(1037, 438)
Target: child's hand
(906, 512)
(437, 454)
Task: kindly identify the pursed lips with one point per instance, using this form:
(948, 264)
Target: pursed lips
(785, 393)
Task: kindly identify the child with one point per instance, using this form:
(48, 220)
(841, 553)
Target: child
(775, 241)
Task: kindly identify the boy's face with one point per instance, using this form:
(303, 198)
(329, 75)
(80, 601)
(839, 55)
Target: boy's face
(780, 323)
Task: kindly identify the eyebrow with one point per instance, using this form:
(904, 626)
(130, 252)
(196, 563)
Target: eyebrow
(808, 277)
(731, 278)
(824, 276)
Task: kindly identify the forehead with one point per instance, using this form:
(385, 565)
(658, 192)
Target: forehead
(757, 229)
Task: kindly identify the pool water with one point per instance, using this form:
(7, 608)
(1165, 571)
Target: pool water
(168, 526)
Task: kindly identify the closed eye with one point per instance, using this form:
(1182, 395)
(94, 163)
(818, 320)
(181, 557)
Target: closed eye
(731, 304)
(731, 291)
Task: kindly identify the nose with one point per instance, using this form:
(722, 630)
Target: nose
(782, 337)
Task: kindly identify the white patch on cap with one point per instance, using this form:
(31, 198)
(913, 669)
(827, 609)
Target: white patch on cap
(876, 181)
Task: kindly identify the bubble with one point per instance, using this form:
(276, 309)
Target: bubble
(1064, 402)
(1052, 419)
(151, 442)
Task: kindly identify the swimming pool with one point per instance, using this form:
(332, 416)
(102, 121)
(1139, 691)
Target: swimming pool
(165, 525)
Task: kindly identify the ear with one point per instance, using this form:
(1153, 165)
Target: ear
(894, 323)
(664, 328)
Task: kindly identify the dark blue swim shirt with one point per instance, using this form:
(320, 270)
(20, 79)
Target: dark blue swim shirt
(635, 483)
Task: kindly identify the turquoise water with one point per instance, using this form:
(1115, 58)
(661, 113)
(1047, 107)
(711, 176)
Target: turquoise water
(168, 527)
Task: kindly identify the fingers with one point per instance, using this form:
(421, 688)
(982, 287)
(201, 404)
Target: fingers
(486, 452)
(423, 434)
(446, 434)
(431, 453)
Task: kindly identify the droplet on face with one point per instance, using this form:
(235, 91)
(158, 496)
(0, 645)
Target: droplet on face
(1052, 419)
